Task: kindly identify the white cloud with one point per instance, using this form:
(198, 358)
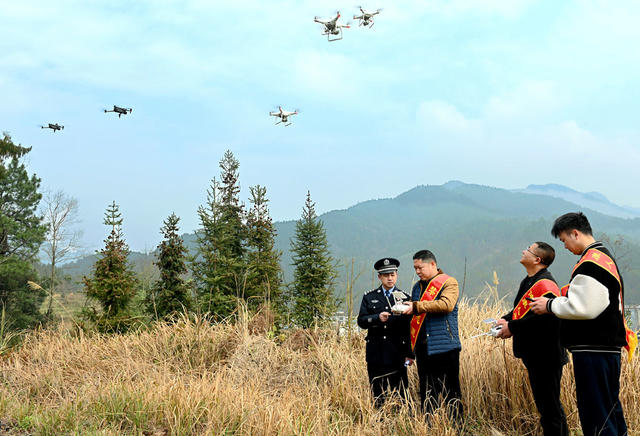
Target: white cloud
(532, 99)
(446, 117)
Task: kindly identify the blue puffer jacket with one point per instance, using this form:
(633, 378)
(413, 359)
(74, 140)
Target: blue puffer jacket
(440, 330)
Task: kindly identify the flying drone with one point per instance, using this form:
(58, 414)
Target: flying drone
(53, 127)
(283, 115)
(119, 110)
(332, 29)
(366, 17)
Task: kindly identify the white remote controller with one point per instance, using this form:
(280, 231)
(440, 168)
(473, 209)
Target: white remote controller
(495, 330)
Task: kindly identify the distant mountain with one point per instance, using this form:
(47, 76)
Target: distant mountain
(472, 228)
(591, 200)
(488, 226)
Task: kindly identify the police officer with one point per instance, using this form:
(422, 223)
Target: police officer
(388, 348)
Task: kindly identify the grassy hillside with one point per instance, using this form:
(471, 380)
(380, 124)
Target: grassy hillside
(194, 378)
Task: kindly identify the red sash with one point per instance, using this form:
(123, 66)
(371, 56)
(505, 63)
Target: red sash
(430, 293)
(540, 288)
(602, 260)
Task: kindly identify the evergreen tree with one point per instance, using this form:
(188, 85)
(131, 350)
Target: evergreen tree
(113, 283)
(170, 295)
(314, 274)
(218, 266)
(264, 276)
(21, 234)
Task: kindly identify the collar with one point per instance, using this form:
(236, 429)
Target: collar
(596, 244)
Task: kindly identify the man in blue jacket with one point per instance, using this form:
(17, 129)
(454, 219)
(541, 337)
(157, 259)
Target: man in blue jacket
(434, 335)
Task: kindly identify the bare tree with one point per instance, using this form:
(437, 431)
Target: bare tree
(620, 249)
(60, 213)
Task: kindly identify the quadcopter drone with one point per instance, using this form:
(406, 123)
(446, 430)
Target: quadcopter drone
(366, 17)
(119, 110)
(332, 29)
(283, 115)
(53, 127)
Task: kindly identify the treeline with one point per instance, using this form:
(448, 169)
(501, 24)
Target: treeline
(235, 262)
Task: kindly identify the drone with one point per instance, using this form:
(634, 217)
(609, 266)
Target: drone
(366, 18)
(283, 115)
(119, 110)
(53, 127)
(331, 27)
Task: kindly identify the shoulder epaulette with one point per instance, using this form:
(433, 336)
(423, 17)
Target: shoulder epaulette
(368, 292)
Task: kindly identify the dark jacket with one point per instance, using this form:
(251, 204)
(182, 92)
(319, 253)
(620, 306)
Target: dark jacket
(388, 343)
(606, 332)
(536, 337)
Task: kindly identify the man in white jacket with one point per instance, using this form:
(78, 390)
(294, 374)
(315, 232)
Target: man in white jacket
(592, 326)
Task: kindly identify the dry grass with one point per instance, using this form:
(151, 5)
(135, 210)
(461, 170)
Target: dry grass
(194, 378)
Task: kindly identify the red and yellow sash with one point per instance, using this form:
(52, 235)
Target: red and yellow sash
(430, 293)
(602, 260)
(540, 288)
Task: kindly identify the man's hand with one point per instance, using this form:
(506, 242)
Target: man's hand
(408, 361)
(539, 305)
(384, 316)
(504, 333)
(409, 309)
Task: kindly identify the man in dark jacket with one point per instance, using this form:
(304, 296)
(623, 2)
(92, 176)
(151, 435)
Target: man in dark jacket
(536, 338)
(592, 326)
(388, 349)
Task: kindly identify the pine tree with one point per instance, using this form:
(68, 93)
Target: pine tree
(21, 234)
(170, 295)
(314, 274)
(113, 283)
(264, 275)
(218, 266)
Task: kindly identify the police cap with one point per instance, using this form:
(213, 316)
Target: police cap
(386, 265)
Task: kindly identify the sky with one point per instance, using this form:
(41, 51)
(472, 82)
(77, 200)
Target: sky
(493, 92)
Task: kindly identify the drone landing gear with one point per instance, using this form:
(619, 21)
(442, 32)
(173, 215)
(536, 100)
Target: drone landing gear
(337, 38)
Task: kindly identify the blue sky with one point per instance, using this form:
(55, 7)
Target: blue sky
(494, 92)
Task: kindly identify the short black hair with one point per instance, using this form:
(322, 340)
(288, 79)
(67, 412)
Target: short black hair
(425, 256)
(546, 253)
(571, 221)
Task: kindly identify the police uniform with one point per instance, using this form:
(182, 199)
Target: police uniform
(387, 343)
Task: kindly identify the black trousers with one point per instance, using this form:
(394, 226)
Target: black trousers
(597, 378)
(545, 385)
(384, 379)
(439, 376)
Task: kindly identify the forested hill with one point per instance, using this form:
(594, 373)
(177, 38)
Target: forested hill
(488, 226)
